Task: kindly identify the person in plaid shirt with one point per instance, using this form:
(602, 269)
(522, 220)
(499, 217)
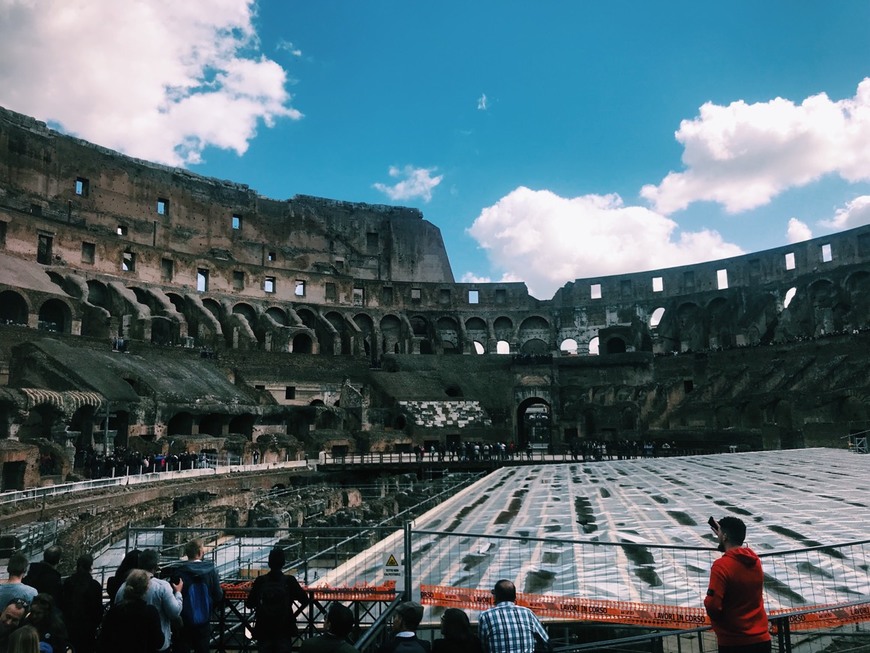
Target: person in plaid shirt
(509, 628)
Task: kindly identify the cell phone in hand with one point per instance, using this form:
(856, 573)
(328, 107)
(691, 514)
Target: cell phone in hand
(714, 525)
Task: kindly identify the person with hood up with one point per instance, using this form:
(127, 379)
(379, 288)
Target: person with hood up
(734, 601)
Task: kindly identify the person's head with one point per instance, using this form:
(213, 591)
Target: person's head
(41, 609)
(339, 620)
(13, 613)
(455, 624)
(193, 549)
(137, 584)
(85, 563)
(52, 555)
(504, 590)
(24, 640)
(407, 616)
(130, 561)
(277, 559)
(149, 560)
(17, 565)
(732, 533)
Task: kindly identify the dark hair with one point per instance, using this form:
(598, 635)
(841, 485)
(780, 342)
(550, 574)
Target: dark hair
(149, 560)
(734, 528)
(130, 561)
(455, 625)
(340, 618)
(52, 555)
(504, 590)
(277, 558)
(85, 562)
(17, 565)
(411, 613)
(193, 549)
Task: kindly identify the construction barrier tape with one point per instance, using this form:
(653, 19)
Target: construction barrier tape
(385, 592)
(624, 612)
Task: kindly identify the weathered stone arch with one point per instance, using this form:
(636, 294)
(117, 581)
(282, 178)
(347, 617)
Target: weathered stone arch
(449, 335)
(568, 347)
(14, 308)
(180, 424)
(615, 345)
(391, 334)
(279, 315)
(342, 333)
(302, 344)
(535, 346)
(55, 315)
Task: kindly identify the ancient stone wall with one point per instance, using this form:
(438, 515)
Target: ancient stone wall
(333, 317)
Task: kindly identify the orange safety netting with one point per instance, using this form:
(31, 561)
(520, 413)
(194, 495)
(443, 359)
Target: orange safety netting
(631, 613)
(384, 592)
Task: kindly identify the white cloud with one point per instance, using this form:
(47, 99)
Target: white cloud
(289, 47)
(413, 182)
(549, 240)
(481, 103)
(470, 277)
(155, 79)
(742, 155)
(855, 214)
(798, 231)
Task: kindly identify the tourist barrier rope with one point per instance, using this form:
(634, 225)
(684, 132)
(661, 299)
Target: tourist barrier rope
(625, 612)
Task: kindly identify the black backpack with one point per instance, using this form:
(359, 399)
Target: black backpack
(273, 608)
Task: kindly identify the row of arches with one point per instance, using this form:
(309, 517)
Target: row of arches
(109, 309)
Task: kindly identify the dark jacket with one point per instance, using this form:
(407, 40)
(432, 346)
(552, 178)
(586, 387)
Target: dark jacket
(132, 627)
(193, 571)
(275, 621)
(398, 644)
(82, 606)
(44, 578)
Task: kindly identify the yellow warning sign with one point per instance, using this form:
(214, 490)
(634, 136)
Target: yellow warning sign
(392, 562)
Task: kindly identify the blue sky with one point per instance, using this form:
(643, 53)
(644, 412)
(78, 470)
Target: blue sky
(548, 141)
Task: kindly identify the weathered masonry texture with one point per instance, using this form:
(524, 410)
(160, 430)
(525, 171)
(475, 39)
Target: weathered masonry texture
(190, 312)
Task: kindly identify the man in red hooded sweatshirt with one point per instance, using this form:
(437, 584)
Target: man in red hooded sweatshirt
(734, 598)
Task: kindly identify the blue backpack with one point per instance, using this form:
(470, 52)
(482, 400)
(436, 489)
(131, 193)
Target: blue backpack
(196, 599)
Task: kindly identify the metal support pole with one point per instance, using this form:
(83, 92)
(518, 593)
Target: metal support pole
(407, 554)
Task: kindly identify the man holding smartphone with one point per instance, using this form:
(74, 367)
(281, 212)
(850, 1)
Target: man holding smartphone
(734, 600)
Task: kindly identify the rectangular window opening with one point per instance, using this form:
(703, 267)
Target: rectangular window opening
(827, 254)
(473, 296)
(290, 392)
(372, 241)
(500, 296)
(82, 186)
(128, 262)
(269, 284)
(121, 230)
(387, 294)
(271, 256)
(36, 209)
(721, 279)
(89, 251)
(415, 294)
(237, 222)
(300, 288)
(595, 291)
(167, 269)
(658, 284)
(358, 297)
(444, 296)
(688, 386)
(202, 280)
(238, 280)
(330, 293)
(162, 206)
(789, 261)
(43, 249)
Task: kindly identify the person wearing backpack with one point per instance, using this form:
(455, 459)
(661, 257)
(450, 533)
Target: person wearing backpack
(201, 592)
(272, 597)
